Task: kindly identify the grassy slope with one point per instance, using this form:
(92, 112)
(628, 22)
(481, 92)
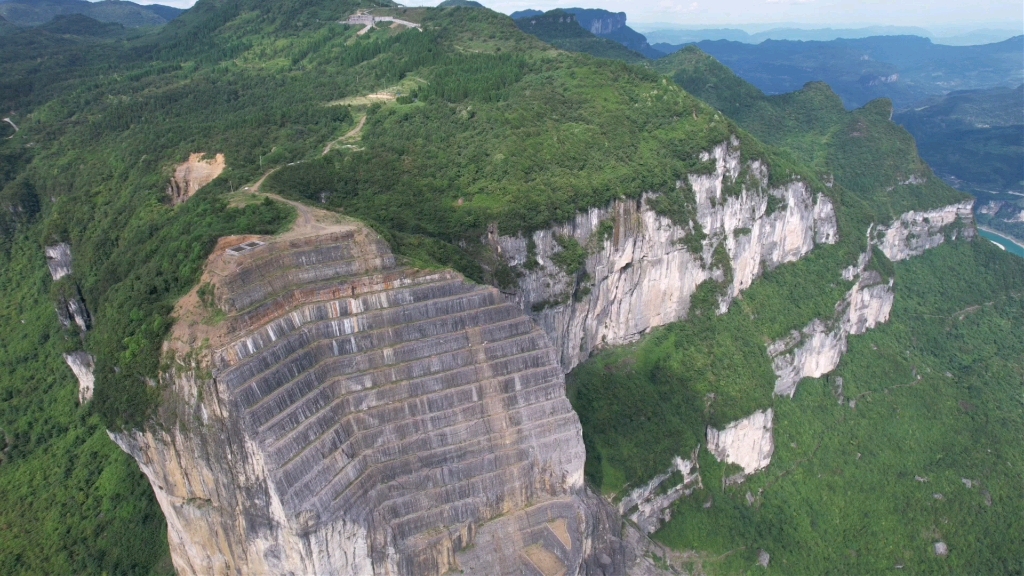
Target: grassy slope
(840, 495)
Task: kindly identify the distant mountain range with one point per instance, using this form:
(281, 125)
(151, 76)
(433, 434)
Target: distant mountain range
(675, 36)
(906, 69)
(130, 14)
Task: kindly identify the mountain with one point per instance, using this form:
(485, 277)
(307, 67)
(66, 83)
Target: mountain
(905, 69)
(669, 36)
(36, 12)
(975, 139)
(561, 29)
(604, 24)
(460, 3)
(528, 13)
(80, 25)
(690, 36)
(286, 293)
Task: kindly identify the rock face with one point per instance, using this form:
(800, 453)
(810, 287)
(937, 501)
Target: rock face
(83, 364)
(816, 349)
(58, 260)
(748, 443)
(915, 232)
(650, 505)
(640, 275)
(352, 416)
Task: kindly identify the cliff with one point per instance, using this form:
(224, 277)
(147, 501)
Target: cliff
(816, 349)
(331, 411)
(640, 273)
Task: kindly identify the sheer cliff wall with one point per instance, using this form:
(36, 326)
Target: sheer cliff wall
(330, 411)
(641, 273)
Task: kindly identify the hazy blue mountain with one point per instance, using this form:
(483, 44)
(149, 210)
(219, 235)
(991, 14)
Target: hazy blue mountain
(36, 12)
(528, 13)
(669, 35)
(906, 69)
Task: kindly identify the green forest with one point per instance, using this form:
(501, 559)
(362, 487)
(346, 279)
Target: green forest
(488, 124)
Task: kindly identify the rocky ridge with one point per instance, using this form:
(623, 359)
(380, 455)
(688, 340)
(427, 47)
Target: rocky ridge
(639, 274)
(816, 349)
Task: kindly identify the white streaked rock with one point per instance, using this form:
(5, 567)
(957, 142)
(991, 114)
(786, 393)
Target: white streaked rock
(748, 442)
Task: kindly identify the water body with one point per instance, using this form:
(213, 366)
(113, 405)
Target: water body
(1003, 242)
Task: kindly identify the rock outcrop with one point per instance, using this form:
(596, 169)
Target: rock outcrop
(816, 349)
(58, 260)
(748, 442)
(353, 416)
(649, 506)
(914, 232)
(83, 364)
(639, 273)
(193, 174)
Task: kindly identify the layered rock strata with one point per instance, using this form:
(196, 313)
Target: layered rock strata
(353, 416)
(639, 273)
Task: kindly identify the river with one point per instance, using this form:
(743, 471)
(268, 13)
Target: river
(1003, 242)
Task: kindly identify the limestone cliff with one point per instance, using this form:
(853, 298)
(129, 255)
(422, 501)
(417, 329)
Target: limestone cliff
(816, 349)
(639, 272)
(83, 365)
(349, 415)
(748, 442)
(58, 260)
(914, 232)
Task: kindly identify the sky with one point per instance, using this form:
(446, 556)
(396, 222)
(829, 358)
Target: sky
(938, 14)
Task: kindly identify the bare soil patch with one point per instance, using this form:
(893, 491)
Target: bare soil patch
(193, 174)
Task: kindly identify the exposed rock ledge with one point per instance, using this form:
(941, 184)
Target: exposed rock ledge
(641, 276)
(58, 260)
(83, 364)
(351, 416)
(649, 506)
(748, 442)
(914, 232)
(193, 174)
(816, 349)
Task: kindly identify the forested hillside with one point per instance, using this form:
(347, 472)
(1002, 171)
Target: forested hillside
(432, 136)
(930, 395)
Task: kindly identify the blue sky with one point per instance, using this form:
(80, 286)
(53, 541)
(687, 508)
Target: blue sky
(951, 14)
